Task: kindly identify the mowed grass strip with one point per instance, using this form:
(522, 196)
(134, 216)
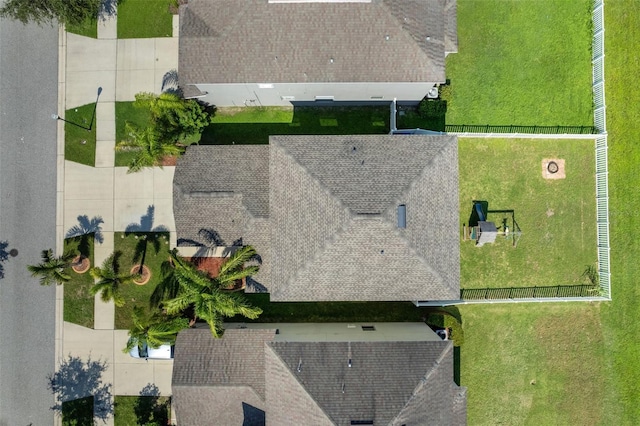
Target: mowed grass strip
(141, 410)
(80, 143)
(521, 62)
(621, 318)
(131, 248)
(144, 19)
(88, 28)
(333, 311)
(78, 302)
(557, 217)
(254, 125)
(138, 117)
(534, 363)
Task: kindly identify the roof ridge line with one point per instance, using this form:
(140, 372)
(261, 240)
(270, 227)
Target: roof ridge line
(270, 345)
(423, 380)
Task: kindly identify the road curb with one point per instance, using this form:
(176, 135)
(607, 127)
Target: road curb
(59, 318)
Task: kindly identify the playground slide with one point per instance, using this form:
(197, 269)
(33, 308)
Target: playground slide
(481, 216)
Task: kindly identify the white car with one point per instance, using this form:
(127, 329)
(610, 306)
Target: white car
(143, 351)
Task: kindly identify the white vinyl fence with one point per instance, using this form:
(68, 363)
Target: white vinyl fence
(602, 172)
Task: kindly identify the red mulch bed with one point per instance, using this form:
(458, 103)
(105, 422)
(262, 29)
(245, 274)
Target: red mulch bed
(212, 265)
(80, 264)
(169, 161)
(144, 277)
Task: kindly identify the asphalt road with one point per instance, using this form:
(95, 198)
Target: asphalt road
(28, 97)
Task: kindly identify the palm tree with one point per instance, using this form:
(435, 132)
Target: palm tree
(109, 279)
(148, 147)
(206, 295)
(52, 269)
(151, 234)
(153, 329)
(234, 268)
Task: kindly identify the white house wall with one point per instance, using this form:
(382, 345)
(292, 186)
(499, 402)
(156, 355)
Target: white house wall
(282, 94)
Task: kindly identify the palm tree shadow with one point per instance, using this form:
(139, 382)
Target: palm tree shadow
(76, 379)
(211, 240)
(84, 230)
(151, 234)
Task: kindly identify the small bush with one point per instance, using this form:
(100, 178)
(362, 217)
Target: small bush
(432, 108)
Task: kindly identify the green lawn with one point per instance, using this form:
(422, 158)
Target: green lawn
(78, 302)
(538, 364)
(80, 144)
(521, 62)
(332, 311)
(89, 28)
(144, 19)
(141, 410)
(620, 318)
(254, 125)
(139, 117)
(78, 412)
(131, 248)
(557, 217)
(583, 357)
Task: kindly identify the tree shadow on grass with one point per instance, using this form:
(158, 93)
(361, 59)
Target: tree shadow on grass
(151, 235)
(150, 407)
(84, 230)
(76, 379)
(307, 120)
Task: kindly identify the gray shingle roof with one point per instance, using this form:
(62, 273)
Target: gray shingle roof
(224, 190)
(306, 382)
(388, 382)
(334, 230)
(324, 217)
(209, 374)
(238, 41)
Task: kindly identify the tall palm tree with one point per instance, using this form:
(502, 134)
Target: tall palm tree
(206, 295)
(153, 329)
(52, 269)
(148, 147)
(151, 234)
(110, 278)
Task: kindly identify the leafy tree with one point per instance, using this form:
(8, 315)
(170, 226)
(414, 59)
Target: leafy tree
(207, 296)
(110, 278)
(49, 11)
(52, 269)
(153, 329)
(148, 147)
(175, 118)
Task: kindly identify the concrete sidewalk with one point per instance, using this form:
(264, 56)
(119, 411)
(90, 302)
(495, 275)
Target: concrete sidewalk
(121, 68)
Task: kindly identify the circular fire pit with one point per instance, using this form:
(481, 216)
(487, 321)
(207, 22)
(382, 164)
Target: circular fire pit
(552, 167)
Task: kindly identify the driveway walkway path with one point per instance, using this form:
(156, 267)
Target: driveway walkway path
(121, 68)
